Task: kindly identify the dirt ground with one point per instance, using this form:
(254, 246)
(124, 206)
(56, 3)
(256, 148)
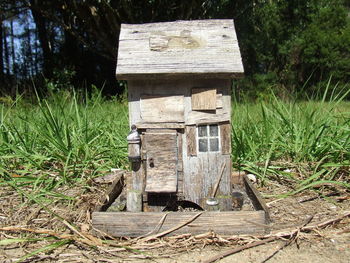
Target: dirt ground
(330, 244)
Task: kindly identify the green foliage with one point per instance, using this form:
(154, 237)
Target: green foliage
(300, 43)
(312, 137)
(286, 45)
(63, 136)
(61, 81)
(324, 46)
(65, 140)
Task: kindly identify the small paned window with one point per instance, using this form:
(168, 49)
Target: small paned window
(208, 138)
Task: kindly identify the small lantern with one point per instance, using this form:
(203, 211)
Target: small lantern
(134, 140)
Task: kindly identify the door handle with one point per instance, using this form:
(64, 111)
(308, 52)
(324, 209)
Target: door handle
(151, 162)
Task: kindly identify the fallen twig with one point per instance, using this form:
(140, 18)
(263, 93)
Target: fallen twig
(171, 229)
(290, 241)
(238, 249)
(157, 228)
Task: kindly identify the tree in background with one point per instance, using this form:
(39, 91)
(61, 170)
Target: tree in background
(295, 44)
(285, 45)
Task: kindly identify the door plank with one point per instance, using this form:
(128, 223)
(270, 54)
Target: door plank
(161, 163)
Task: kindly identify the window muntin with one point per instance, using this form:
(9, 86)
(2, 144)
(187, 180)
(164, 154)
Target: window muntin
(208, 138)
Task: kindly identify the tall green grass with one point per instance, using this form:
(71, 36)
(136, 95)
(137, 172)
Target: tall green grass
(312, 137)
(60, 140)
(66, 139)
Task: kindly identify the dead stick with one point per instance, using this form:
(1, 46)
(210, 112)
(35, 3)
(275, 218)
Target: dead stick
(278, 250)
(218, 182)
(286, 244)
(157, 228)
(238, 249)
(311, 227)
(171, 229)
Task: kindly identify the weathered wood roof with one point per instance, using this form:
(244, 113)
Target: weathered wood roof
(172, 49)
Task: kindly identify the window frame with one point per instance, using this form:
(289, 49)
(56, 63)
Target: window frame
(208, 137)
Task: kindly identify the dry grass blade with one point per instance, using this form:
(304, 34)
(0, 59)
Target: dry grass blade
(94, 242)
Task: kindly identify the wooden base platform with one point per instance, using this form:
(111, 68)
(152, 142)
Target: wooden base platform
(136, 224)
(144, 223)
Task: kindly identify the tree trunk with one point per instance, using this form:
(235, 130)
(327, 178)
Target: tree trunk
(6, 53)
(40, 22)
(13, 53)
(29, 53)
(1, 53)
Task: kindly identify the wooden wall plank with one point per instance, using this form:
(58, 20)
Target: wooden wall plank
(219, 103)
(180, 173)
(162, 125)
(136, 224)
(159, 108)
(203, 99)
(225, 135)
(135, 184)
(196, 117)
(183, 87)
(191, 140)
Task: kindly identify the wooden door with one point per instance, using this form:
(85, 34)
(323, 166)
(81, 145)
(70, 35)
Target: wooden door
(161, 161)
(208, 150)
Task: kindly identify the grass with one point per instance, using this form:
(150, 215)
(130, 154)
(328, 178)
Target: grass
(66, 140)
(61, 141)
(312, 137)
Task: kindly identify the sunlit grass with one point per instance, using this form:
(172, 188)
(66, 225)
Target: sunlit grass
(67, 140)
(312, 137)
(60, 141)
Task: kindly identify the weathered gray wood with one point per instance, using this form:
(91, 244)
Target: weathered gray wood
(161, 164)
(180, 168)
(201, 47)
(196, 117)
(200, 177)
(112, 192)
(159, 125)
(191, 140)
(137, 176)
(219, 101)
(134, 186)
(203, 99)
(256, 197)
(134, 201)
(225, 137)
(137, 88)
(137, 224)
(197, 179)
(156, 108)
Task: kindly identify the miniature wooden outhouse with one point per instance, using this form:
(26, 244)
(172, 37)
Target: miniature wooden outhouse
(179, 77)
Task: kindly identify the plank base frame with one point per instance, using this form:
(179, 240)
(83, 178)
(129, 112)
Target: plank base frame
(136, 224)
(128, 224)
